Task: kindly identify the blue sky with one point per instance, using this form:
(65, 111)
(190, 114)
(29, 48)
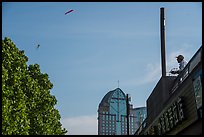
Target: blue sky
(88, 50)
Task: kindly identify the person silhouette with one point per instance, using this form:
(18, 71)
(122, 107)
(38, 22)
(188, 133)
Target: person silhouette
(182, 64)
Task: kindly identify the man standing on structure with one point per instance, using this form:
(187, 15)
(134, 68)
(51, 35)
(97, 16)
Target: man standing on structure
(182, 64)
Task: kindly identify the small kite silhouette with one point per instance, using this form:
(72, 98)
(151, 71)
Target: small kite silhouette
(68, 11)
(38, 46)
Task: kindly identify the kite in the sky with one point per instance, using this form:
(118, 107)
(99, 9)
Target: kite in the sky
(38, 46)
(68, 11)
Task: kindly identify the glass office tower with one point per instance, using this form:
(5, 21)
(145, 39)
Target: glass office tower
(112, 114)
(141, 114)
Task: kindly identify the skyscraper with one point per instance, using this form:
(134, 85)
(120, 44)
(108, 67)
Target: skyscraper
(141, 114)
(112, 114)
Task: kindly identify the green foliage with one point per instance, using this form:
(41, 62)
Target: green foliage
(27, 105)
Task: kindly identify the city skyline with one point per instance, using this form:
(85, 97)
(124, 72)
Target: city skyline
(87, 51)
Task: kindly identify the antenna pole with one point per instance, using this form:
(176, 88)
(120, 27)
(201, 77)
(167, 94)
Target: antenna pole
(162, 29)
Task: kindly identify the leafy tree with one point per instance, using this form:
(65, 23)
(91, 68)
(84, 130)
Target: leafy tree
(27, 105)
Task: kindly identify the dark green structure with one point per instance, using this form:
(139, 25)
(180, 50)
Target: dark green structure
(175, 105)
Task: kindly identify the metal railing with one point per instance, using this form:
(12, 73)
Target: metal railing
(187, 70)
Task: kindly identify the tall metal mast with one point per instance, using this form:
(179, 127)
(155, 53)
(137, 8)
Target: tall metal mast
(162, 29)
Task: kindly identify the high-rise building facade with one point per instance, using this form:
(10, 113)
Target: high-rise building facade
(112, 114)
(141, 114)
